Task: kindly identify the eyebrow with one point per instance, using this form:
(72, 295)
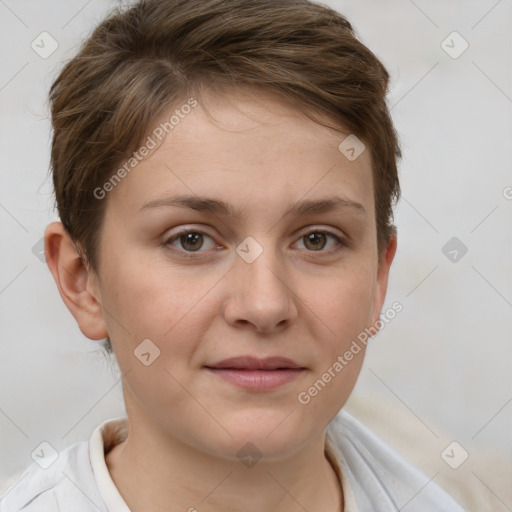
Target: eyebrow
(215, 206)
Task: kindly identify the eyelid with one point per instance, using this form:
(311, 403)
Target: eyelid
(323, 229)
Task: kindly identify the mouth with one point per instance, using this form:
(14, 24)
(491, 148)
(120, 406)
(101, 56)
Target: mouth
(257, 374)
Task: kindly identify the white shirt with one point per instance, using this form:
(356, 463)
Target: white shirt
(372, 476)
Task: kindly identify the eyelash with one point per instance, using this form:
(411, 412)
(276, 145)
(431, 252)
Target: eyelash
(342, 243)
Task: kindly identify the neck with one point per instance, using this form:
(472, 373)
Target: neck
(178, 477)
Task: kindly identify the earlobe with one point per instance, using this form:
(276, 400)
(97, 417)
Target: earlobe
(76, 284)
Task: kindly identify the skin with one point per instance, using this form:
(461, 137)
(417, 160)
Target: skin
(299, 300)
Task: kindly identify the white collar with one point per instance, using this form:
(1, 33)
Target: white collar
(100, 438)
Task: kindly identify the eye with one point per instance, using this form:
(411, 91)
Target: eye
(316, 241)
(190, 241)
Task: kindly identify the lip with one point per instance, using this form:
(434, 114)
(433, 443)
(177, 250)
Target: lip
(256, 374)
(255, 363)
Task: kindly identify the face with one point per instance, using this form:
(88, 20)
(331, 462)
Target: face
(246, 235)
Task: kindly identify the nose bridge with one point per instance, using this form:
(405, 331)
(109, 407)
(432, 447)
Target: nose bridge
(264, 275)
(260, 294)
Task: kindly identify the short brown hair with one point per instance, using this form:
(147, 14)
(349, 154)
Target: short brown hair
(141, 61)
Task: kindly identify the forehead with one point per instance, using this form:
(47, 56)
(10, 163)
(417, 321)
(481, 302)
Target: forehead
(250, 149)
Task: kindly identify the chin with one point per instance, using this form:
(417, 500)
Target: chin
(269, 433)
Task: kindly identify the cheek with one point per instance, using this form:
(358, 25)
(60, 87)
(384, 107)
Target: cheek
(157, 302)
(146, 304)
(342, 303)
(341, 313)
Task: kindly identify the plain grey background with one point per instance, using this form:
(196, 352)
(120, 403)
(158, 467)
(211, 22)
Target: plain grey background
(442, 366)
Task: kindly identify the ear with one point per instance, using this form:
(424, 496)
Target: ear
(385, 260)
(77, 285)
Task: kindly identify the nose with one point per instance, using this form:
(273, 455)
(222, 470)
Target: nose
(260, 295)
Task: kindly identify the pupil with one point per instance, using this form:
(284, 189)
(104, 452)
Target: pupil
(314, 238)
(189, 241)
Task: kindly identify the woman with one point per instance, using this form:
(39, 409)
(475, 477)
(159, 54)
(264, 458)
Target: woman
(225, 173)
